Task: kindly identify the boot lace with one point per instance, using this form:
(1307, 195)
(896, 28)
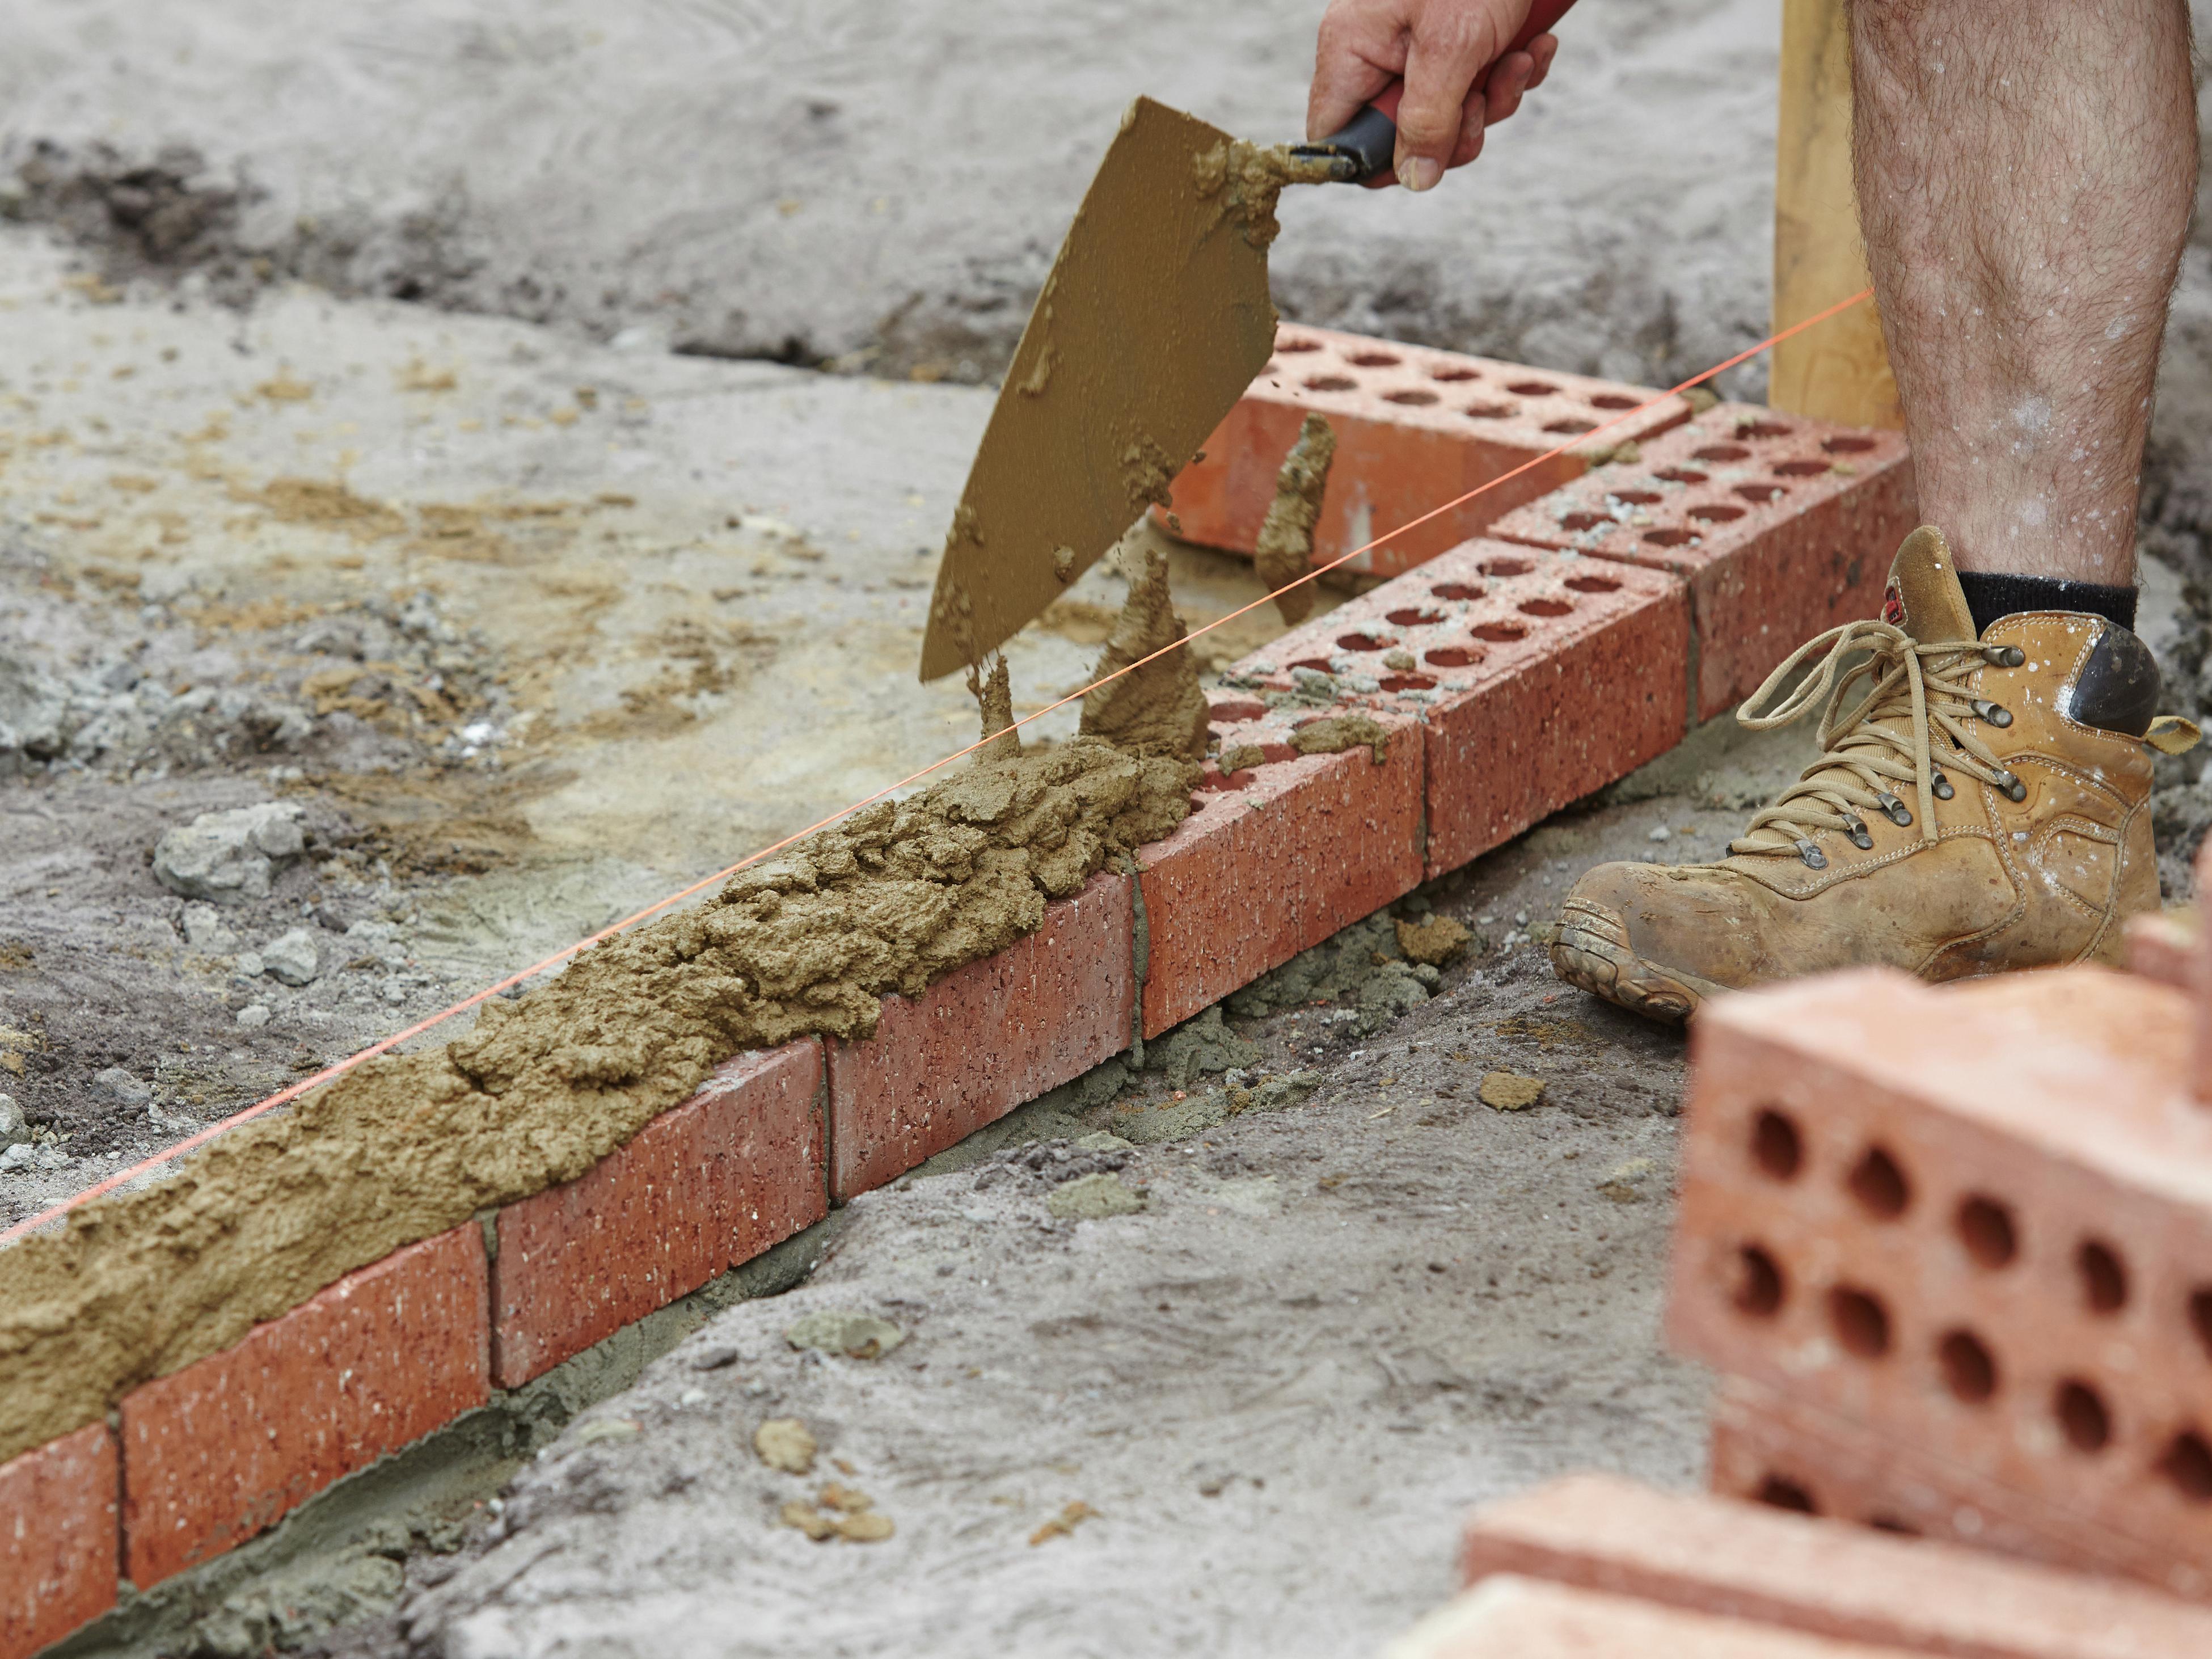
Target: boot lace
(1916, 694)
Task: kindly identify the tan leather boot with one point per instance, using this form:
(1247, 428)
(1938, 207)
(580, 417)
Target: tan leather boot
(1978, 804)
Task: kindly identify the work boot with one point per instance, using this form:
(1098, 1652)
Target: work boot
(1980, 803)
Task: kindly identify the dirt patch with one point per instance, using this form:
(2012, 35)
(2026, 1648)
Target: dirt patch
(1284, 550)
(138, 1285)
(1156, 709)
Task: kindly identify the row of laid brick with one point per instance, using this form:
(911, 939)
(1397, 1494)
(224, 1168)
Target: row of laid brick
(1780, 526)
(1276, 856)
(1542, 677)
(1596, 1566)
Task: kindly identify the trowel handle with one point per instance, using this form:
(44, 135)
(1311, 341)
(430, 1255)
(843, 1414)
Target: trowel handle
(1367, 145)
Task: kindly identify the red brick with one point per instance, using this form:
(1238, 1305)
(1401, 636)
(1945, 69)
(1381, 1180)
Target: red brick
(1750, 1560)
(1772, 1450)
(1511, 1617)
(1470, 421)
(1274, 858)
(2163, 946)
(712, 1182)
(1783, 526)
(231, 1444)
(984, 1039)
(1537, 678)
(1976, 1219)
(58, 1542)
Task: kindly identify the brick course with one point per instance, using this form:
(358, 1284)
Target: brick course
(58, 1542)
(1414, 428)
(1783, 526)
(985, 1038)
(230, 1445)
(707, 1184)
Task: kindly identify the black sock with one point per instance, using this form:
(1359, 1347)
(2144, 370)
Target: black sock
(1989, 597)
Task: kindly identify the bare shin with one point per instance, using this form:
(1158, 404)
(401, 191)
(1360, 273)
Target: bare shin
(2024, 175)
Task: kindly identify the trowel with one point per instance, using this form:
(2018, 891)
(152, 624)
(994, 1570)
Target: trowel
(1154, 320)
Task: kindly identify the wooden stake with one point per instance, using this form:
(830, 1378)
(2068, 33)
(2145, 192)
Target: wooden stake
(1840, 370)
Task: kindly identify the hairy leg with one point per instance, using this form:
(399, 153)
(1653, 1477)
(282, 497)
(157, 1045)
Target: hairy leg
(2025, 171)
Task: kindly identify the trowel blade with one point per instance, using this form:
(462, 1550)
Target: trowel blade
(1153, 321)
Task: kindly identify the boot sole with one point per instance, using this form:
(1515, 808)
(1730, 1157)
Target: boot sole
(1591, 952)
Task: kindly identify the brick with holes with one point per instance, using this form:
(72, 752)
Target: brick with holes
(1508, 1617)
(1414, 427)
(1537, 677)
(58, 1539)
(1770, 1447)
(1751, 1560)
(707, 1184)
(1281, 850)
(1975, 1218)
(985, 1038)
(1782, 526)
(230, 1444)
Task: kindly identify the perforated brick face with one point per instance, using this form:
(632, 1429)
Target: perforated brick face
(1770, 1447)
(1975, 1219)
(1783, 526)
(1533, 677)
(1415, 428)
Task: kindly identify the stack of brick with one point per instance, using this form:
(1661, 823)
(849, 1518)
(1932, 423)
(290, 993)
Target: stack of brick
(1951, 1250)
(1596, 1567)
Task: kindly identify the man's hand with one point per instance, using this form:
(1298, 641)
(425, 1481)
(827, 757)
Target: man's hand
(1440, 48)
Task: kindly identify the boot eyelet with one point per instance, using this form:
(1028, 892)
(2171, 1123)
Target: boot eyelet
(1813, 857)
(1855, 828)
(1995, 714)
(2003, 656)
(1941, 787)
(2014, 788)
(1894, 809)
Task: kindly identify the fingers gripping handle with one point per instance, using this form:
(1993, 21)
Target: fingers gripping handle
(1367, 145)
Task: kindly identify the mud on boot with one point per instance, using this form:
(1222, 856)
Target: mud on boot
(1981, 803)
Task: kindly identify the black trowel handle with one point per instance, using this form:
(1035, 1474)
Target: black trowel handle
(1367, 146)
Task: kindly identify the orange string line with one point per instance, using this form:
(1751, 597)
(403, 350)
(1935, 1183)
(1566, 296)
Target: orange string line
(293, 1091)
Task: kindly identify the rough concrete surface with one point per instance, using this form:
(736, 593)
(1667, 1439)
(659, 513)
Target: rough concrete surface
(366, 448)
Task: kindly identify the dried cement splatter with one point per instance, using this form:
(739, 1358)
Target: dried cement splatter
(1158, 709)
(1435, 940)
(994, 698)
(137, 1285)
(1284, 550)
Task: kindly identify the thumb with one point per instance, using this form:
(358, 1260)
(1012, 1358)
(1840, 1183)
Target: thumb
(1444, 60)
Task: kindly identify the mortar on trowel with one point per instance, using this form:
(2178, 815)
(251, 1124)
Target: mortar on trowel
(1153, 321)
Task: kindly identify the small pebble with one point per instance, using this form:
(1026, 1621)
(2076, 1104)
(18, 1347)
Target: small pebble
(1661, 832)
(253, 1016)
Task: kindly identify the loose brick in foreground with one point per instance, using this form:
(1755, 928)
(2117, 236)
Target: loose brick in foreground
(735, 1168)
(58, 1542)
(1768, 1448)
(1783, 526)
(1537, 677)
(1974, 1218)
(985, 1038)
(1749, 1560)
(228, 1445)
(1414, 428)
(1509, 1618)
(1276, 858)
